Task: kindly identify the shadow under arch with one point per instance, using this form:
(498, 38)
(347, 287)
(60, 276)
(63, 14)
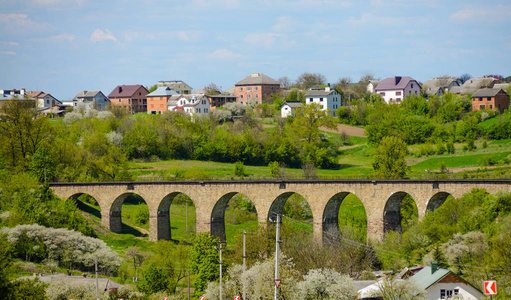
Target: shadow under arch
(115, 216)
(218, 215)
(163, 221)
(392, 218)
(87, 203)
(330, 220)
(278, 207)
(436, 201)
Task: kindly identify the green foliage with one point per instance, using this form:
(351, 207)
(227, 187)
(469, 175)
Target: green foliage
(239, 169)
(43, 166)
(154, 280)
(389, 159)
(204, 260)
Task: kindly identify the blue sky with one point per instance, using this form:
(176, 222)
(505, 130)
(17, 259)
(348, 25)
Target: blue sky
(65, 46)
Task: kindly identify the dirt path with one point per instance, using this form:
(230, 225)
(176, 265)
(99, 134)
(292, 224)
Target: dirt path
(349, 130)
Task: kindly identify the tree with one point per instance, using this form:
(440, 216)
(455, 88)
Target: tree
(137, 256)
(285, 82)
(212, 89)
(465, 77)
(154, 280)
(308, 119)
(344, 83)
(204, 260)
(43, 166)
(391, 289)
(325, 284)
(22, 130)
(390, 160)
(308, 80)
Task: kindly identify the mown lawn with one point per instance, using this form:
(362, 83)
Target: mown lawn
(459, 161)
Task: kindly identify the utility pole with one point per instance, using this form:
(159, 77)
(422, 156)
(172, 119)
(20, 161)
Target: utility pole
(244, 262)
(220, 270)
(277, 242)
(96, 268)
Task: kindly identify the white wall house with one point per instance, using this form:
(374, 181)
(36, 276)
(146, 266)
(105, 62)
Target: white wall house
(329, 99)
(441, 283)
(395, 89)
(287, 109)
(91, 99)
(193, 104)
(44, 100)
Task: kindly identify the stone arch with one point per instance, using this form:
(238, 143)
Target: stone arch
(217, 228)
(163, 222)
(330, 219)
(85, 207)
(392, 212)
(277, 206)
(115, 218)
(436, 201)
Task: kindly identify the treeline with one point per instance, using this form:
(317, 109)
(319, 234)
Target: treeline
(417, 120)
(97, 146)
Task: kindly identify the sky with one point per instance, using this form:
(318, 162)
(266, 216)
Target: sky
(63, 47)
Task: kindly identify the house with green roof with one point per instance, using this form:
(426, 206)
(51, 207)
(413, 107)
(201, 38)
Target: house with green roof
(441, 283)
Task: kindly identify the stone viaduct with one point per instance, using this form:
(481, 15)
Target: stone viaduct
(381, 200)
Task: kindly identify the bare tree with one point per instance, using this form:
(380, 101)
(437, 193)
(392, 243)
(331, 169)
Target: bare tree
(344, 83)
(465, 77)
(308, 80)
(212, 89)
(285, 82)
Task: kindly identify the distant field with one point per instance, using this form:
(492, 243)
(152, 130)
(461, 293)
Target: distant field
(488, 122)
(459, 161)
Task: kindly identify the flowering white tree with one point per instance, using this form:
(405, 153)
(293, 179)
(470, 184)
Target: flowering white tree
(325, 284)
(67, 246)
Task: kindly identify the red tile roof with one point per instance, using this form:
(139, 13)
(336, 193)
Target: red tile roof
(125, 91)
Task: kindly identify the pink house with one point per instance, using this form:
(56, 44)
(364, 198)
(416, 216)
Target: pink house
(395, 89)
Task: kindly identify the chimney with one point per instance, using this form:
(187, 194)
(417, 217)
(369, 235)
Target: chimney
(434, 267)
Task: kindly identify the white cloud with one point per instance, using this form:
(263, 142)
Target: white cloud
(99, 36)
(63, 37)
(17, 22)
(11, 43)
(285, 23)
(224, 54)
(498, 13)
(8, 52)
(265, 39)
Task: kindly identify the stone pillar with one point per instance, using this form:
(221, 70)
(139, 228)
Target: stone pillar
(115, 221)
(317, 230)
(374, 225)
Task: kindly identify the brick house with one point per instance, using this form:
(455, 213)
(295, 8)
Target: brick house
(492, 99)
(255, 88)
(157, 100)
(395, 89)
(131, 97)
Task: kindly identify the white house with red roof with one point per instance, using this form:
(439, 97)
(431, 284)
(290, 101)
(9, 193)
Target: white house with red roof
(395, 89)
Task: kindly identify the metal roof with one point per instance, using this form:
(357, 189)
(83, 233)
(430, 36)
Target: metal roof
(162, 91)
(394, 83)
(257, 78)
(487, 92)
(125, 91)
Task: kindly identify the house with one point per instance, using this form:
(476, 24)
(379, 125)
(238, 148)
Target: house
(91, 100)
(441, 283)
(219, 100)
(255, 88)
(440, 85)
(492, 99)
(472, 85)
(395, 89)
(371, 86)
(157, 100)
(43, 100)
(131, 97)
(193, 104)
(288, 108)
(329, 99)
(7, 95)
(176, 85)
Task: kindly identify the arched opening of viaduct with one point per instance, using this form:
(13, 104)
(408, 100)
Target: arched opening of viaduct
(380, 199)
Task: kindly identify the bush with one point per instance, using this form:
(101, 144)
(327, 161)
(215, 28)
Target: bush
(239, 169)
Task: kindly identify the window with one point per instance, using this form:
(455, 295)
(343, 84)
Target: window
(272, 88)
(398, 93)
(412, 85)
(310, 99)
(265, 88)
(198, 110)
(248, 96)
(241, 89)
(320, 99)
(480, 98)
(241, 96)
(491, 106)
(382, 93)
(256, 88)
(249, 88)
(444, 294)
(481, 106)
(256, 95)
